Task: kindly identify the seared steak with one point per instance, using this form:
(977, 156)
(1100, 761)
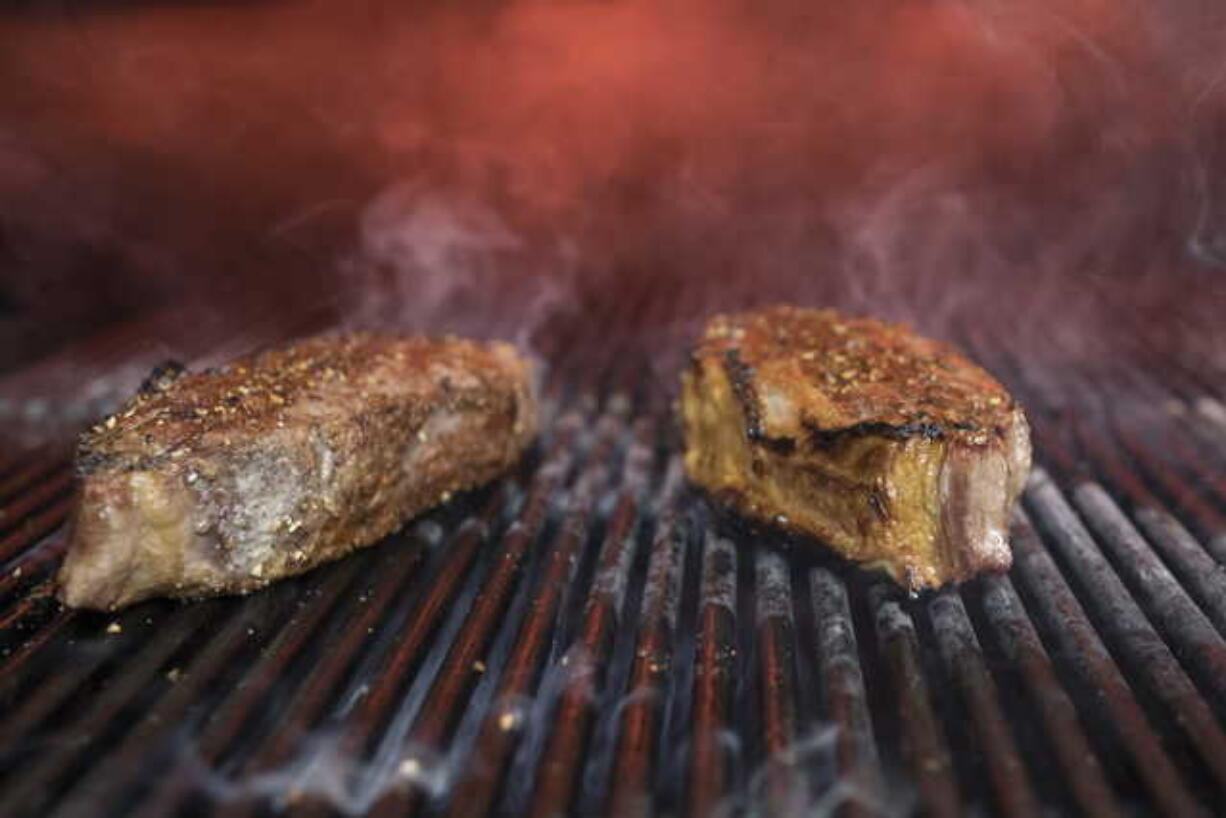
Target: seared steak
(891, 448)
(226, 480)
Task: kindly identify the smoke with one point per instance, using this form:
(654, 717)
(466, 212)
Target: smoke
(439, 260)
(326, 772)
(925, 162)
(539, 169)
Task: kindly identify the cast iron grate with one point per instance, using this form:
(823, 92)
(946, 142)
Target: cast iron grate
(588, 637)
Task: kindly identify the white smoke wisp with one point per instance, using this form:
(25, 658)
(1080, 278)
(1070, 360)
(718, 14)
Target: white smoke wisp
(441, 260)
(425, 253)
(323, 771)
(810, 760)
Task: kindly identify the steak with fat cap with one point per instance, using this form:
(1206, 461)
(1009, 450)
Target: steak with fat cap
(891, 448)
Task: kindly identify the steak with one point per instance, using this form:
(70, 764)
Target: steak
(893, 449)
(226, 480)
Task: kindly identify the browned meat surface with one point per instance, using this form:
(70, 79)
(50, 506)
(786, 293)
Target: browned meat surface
(226, 480)
(891, 448)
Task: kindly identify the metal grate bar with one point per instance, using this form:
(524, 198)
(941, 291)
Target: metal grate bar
(23, 613)
(642, 716)
(1125, 624)
(1204, 578)
(776, 640)
(1013, 629)
(924, 745)
(584, 661)
(587, 638)
(15, 549)
(469, 657)
(1199, 510)
(1078, 644)
(51, 693)
(242, 634)
(10, 462)
(224, 727)
(478, 787)
(20, 507)
(30, 475)
(364, 621)
(964, 661)
(112, 711)
(843, 692)
(1121, 476)
(714, 676)
(1186, 628)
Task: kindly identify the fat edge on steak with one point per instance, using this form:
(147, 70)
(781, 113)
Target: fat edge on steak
(891, 448)
(226, 480)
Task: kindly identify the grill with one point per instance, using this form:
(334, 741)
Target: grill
(590, 637)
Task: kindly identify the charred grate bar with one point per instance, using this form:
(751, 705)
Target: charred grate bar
(589, 637)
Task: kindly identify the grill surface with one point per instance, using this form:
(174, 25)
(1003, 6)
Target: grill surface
(589, 637)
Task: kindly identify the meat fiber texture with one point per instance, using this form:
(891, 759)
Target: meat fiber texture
(226, 480)
(892, 449)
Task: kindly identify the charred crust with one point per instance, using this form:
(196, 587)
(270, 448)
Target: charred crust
(88, 459)
(829, 438)
(875, 378)
(250, 487)
(740, 376)
(778, 445)
(177, 412)
(849, 399)
(162, 376)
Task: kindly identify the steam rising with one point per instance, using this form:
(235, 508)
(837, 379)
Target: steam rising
(500, 168)
(441, 260)
(324, 772)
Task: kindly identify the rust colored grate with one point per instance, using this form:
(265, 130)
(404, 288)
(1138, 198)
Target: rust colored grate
(589, 637)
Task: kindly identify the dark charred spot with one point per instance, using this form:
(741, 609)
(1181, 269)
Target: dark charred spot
(740, 375)
(778, 445)
(825, 439)
(162, 376)
(88, 460)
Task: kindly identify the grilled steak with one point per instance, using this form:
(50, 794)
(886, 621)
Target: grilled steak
(229, 479)
(891, 448)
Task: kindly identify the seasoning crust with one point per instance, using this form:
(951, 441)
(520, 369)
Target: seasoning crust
(854, 376)
(224, 480)
(891, 448)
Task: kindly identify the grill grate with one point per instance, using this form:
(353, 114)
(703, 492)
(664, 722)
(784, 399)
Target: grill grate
(590, 638)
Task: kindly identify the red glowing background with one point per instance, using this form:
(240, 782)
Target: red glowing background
(498, 166)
